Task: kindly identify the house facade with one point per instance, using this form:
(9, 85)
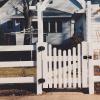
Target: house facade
(58, 44)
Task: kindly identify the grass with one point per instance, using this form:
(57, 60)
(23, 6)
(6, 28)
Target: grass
(17, 72)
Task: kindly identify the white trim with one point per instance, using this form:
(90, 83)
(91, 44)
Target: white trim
(17, 80)
(17, 64)
(17, 48)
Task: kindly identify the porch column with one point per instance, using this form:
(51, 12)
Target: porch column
(72, 27)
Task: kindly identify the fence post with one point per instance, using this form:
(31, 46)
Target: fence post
(39, 70)
(42, 72)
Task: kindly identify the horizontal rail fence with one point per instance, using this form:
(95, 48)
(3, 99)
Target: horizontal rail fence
(17, 64)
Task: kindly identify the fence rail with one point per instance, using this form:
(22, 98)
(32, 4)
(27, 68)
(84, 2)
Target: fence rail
(17, 64)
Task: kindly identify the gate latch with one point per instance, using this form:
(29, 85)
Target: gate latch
(87, 57)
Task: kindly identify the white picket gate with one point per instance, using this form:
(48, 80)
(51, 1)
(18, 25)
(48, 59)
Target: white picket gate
(61, 69)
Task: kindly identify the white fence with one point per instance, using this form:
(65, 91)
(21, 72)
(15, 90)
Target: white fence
(56, 68)
(17, 64)
(62, 68)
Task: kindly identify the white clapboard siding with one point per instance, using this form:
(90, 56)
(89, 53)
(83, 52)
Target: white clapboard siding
(65, 58)
(55, 67)
(50, 76)
(59, 69)
(69, 69)
(79, 66)
(17, 48)
(74, 67)
(84, 65)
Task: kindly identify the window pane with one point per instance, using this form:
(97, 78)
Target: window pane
(59, 27)
(52, 27)
(45, 27)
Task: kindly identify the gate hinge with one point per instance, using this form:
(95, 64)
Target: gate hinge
(41, 80)
(87, 57)
(41, 48)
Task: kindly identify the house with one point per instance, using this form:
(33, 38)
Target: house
(58, 25)
(57, 44)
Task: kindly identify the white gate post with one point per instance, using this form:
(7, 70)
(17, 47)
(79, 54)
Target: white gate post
(90, 51)
(39, 53)
(41, 6)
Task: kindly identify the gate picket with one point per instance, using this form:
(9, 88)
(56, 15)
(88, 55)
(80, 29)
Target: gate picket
(60, 68)
(50, 75)
(55, 67)
(69, 69)
(74, 67)
(79, 65)
(65, 69)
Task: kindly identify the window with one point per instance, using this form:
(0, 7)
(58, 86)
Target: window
(46, 27)
(59, 27)
(52, 26)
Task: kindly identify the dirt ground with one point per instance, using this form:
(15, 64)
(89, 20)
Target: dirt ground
(55, 96)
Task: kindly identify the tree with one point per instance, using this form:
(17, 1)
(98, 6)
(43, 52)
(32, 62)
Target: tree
(26, 13)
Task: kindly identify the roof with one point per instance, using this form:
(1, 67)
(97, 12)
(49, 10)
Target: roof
(96, 1)
(69, 6)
